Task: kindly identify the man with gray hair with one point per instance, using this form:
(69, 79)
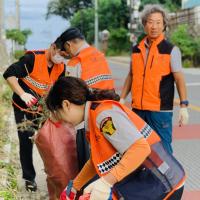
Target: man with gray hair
(155, 66)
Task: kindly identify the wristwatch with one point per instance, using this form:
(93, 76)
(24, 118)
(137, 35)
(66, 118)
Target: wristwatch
(185, 102)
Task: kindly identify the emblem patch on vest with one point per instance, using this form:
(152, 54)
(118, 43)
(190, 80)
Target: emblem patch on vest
(107, 126)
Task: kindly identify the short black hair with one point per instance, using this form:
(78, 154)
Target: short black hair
(58, 43)
(69, 34)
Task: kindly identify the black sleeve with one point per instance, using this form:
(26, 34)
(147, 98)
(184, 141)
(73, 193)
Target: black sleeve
(20, 68)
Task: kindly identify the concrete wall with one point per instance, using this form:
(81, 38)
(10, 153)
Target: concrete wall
(190, 16)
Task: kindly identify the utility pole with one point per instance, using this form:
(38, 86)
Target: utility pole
(96, 25)
(134, 17)
(1, 19)
(17, 14)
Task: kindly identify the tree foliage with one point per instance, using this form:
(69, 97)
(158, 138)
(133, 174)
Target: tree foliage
(18, 36)
(113, 15)
(66, 8)
(184, 40)
(170, 5)
(189, 45)
(119, 40)
(83, 20)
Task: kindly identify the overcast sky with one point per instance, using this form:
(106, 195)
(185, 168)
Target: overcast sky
(32, 16)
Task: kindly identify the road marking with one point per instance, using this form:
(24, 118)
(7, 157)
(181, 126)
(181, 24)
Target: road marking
(193, 84)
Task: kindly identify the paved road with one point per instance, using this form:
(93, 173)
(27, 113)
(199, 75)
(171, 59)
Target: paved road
(186, 142)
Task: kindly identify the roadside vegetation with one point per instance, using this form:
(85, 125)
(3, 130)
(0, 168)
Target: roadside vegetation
(8, 167)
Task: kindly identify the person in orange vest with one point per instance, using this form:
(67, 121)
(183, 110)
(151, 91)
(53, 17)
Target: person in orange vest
(155, 66)
(89, 64)
(30, 78)
(85, 61)
(126, 153)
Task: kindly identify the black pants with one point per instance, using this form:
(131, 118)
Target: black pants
(25, 144)
(83, 152)
(177, 194)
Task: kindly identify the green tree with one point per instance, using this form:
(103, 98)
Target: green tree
(184, 40)
(119, 41)
(113, 9)
(18, 37)
(66, 8)
(171, 5)
(113, 15)
(187, 44)
(83, 19)
(26, 33)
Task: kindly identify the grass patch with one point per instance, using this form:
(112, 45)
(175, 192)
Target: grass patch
(8, 191)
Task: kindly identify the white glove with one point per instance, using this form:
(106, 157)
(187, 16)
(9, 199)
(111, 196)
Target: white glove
(183, 116)
(29, 99)
(99, 190)
(122, 101)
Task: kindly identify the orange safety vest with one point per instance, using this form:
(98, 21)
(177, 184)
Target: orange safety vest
(152, 82)
(105, 156)
(39, 79)
(94, 68)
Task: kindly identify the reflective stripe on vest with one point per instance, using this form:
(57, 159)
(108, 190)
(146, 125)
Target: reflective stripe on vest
(98, 78)
(152, 82)
(39, 80)
(94, 68)
(36, 84)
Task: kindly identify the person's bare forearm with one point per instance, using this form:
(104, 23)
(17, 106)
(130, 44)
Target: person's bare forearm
(180, 84)
(13, 83)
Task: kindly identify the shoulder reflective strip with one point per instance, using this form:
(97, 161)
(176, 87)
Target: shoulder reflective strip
(98, 78)
(36, 84)
(146, 130)
(108, 164)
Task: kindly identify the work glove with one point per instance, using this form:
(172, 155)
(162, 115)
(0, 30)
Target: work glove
(99, 190)
(84, 197)
(29, 99)
(122, 101)
(69, 192)
(183, 116)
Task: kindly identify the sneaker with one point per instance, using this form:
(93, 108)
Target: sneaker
(31, 186)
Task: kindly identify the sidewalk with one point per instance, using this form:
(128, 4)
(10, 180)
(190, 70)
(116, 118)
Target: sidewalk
(41, 193)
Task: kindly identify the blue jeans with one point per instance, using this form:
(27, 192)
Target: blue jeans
(161, 122)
